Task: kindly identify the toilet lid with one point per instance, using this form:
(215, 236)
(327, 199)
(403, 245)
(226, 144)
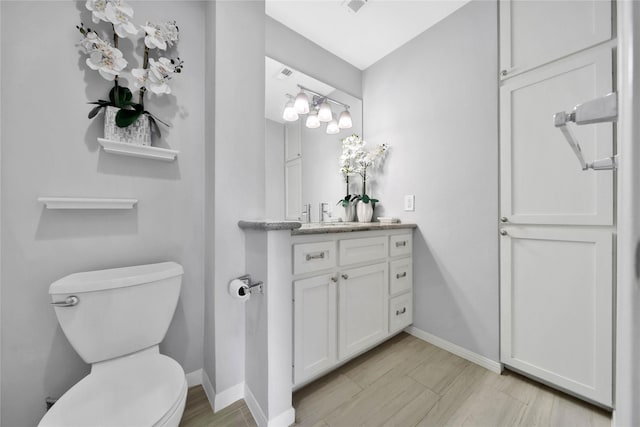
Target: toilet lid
(133, 391)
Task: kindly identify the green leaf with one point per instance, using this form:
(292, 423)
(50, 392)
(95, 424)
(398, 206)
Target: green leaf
(120, 96)
(94, 111)
(374, 200)
(125, 118)
(365, 198)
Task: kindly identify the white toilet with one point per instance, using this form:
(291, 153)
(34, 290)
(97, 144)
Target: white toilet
(115, 320)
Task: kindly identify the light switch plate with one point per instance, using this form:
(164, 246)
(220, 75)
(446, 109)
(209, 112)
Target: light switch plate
(409, 203)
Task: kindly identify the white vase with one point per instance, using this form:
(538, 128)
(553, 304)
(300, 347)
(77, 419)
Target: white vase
(365, 211)
(348, 213)
(138, 133)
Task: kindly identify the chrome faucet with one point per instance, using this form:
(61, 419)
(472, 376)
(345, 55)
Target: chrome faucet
(306, 213)
(324, 209)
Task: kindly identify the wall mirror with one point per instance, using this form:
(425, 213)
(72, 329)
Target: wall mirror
(302, 163)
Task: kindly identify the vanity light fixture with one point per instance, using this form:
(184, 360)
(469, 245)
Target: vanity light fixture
(325, 114)
(345, 121)
(301, 103)
(332, 127)
(290, 113)
(312, 120)
(318, 109)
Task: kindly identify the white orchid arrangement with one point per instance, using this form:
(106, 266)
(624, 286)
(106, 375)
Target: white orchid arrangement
(110, 63)
(355, 159)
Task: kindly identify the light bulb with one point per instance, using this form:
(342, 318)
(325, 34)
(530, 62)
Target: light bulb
(332, 127)
(345, 120)
(324, 114)
(301, 103)
(289, 113)
(312, 120)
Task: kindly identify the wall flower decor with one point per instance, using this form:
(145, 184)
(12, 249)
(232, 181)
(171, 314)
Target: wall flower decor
(125, 119)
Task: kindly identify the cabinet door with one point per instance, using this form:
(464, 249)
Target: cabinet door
(363, 309)
(556, 304)
(533, 33)
(292, 141)
(293, 189)
(314, 335)
(541, 179)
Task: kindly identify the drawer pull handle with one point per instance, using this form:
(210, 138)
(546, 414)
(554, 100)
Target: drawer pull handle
(345, 276)
(401, 275)
(403, 311)
(403, 243)
(316, 256)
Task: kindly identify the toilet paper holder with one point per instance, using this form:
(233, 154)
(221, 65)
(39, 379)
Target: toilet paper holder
(250, 286)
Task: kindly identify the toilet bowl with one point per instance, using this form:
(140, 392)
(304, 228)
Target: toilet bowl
(116, 321)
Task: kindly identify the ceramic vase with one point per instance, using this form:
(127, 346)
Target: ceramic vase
(348, 213)
(365, 211)
(138, 133)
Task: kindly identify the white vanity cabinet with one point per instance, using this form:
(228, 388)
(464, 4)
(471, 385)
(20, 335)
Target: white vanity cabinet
(351, 291)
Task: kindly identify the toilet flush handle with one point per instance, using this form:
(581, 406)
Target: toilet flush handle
(69, 301)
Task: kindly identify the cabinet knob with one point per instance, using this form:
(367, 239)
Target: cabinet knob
(334, 279)
(503, 73)
(504, 219)
(503, 232)
(345, 276)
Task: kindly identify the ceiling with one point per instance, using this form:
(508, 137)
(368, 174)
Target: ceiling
(362, 38)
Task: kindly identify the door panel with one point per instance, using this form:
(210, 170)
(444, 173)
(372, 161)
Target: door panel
(556, 307)
(541, 180)
(533, 33)
(293, 189)
(363, 308)
(315, 340)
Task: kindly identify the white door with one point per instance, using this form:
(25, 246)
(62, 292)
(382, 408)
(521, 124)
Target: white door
(533, 33)
(541, 180)
(293, 189)
(556, 307)
(315, 334)
(363, 309)
(556, 252)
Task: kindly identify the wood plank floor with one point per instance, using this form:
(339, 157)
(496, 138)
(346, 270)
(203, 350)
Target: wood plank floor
(407, 382)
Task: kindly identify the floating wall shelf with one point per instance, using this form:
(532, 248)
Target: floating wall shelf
(86, 203)
(135, 150)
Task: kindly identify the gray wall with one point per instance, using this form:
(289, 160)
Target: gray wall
(239, 172)
(50, 149)
(274, 168)
(435, 101)
(290, 48)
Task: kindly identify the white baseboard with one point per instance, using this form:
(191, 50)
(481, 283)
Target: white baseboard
(228, 396)
(194, 378)
(285, 419)
(483, 361)
(208, 389)
(254, 408)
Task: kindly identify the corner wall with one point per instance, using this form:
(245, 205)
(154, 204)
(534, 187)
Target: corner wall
(49, 148)
(239, 177)
(435, 102)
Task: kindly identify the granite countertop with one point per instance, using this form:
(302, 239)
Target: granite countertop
(268, 225)
(346, 227)
(297, 228)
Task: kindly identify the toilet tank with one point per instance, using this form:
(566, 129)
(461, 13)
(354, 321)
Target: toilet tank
(119, 311)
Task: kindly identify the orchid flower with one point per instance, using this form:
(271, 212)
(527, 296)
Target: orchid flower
(97, 8)
(160, 35)
(103, 57)
(118, 13)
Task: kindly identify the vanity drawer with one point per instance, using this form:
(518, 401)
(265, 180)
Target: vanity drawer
(400, 312)
(354, 251)
(309, 257)
(401, 279)
(401, 244)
